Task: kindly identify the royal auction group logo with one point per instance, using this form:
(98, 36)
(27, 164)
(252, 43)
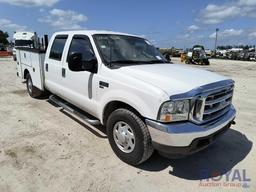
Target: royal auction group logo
(235, 178)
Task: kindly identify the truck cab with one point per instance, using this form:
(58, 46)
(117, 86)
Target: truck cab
(124, 83)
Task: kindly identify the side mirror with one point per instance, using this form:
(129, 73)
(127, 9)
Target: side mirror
(76, 63)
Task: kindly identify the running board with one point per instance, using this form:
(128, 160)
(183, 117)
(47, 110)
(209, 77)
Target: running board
(64, 105)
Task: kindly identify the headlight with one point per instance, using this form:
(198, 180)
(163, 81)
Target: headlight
(171, 111)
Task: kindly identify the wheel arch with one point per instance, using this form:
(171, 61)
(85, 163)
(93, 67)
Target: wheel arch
(113, 105)
(26, 71)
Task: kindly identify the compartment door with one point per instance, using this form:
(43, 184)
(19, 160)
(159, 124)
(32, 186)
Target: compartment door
(18, 65)
(37, 61)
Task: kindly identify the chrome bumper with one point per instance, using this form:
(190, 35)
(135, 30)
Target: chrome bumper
(182, 134)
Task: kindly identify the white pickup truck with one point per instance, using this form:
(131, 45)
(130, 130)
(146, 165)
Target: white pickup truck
(124, 83)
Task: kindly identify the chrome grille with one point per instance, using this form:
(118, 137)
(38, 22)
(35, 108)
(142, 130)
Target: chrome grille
(212, 104)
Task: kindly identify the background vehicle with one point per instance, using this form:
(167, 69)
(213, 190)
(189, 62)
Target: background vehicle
(208, 53)
(252, 56)
(221, 54)
(173, 52)
(233, 55)
(24, 39)
(197, 56)
(124, 83)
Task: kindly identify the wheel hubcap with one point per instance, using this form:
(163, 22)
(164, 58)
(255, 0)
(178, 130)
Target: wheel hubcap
(124, 137)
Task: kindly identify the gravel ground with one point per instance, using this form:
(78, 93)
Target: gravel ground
(44, 149)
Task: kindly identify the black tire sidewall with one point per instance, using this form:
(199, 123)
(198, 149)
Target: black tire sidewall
(28, 78)
(136, 155)
(206, 62)
(35, 92)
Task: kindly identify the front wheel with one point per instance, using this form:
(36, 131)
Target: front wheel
(129, 137)
(32, 90)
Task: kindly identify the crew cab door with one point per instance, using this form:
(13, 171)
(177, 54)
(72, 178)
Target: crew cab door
(53, 65)
(80, 84)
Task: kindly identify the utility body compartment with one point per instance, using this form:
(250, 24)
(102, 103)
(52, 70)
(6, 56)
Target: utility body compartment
(31, 60)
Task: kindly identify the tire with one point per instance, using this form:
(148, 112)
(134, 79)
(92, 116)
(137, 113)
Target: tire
(32, 90)
(142, 141)
(206, 62)
(188, 61)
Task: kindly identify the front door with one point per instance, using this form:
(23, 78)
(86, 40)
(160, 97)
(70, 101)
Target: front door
(78, 84)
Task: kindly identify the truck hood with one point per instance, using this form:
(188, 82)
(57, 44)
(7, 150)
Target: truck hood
(172, 78)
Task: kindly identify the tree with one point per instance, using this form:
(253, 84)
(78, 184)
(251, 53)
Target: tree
(246, 47)
(3, 37)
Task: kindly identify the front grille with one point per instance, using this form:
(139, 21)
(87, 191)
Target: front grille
(213, 104)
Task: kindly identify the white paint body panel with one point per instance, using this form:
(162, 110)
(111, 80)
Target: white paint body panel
(33, 62)
(144, 87)
(172, 78)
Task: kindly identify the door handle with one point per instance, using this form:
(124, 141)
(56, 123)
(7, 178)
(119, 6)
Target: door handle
(63, 72)
(46, 67)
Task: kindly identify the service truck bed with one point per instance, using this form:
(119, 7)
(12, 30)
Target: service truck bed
(31, 60)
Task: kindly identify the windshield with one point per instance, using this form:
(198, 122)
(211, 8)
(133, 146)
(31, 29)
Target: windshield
(23, 43)
(127, 50)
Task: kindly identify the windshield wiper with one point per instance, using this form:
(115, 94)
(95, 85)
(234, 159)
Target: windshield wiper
(138, 62)
(127, 62)
(131, 62)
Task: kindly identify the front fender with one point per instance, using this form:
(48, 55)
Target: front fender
(146, 106)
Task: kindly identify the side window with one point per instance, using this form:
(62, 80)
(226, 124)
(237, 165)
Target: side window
(57, 47)
(81, 44)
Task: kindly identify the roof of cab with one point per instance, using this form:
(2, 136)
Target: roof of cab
(91, 32)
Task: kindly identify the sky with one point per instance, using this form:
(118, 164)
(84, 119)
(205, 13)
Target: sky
(165, 23)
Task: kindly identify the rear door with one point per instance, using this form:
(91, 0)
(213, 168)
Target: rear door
(53, 65)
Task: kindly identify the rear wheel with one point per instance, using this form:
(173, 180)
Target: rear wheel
(129, 137)
(32, 90)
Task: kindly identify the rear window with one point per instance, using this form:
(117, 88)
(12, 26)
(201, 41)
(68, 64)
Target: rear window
(58, 47)
(24, 43)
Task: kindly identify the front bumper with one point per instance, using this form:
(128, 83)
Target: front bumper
(187, 137)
